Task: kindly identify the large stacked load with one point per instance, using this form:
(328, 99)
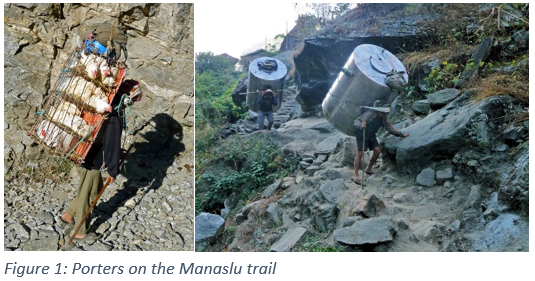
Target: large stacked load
(79, 101)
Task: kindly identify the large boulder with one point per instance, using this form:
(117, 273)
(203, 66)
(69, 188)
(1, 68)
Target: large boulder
(368, 231)
(443, 97)
(514, 183)
(441, 134)
(324, 55)
(207, 228)
(289, 239)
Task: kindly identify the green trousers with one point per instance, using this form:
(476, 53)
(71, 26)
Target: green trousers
(90, 185)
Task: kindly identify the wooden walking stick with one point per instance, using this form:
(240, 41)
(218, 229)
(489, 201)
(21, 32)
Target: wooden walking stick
(363, 150)
(98, 196)
(90, 208)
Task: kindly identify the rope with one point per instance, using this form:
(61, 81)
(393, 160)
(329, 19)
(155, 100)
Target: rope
(268, 66)
(42, 112)
(89, 41)
(109, 47)
(124, 115)
(67, 73)
(129, 104)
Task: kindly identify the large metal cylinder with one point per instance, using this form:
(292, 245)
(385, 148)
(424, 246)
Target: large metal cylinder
(259, 79)
(360, 83)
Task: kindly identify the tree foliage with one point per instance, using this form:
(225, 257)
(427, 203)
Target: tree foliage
(207, 61)
(215, 78)
(275, 45)
(324, 12)
(256, 162)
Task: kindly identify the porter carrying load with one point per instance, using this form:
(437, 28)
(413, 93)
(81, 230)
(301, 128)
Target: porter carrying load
(264, 72)
(371, 73)
(78, 102)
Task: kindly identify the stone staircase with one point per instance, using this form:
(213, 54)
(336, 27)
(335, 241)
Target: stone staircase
(290, 109)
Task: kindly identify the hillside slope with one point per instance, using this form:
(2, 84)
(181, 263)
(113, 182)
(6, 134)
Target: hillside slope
(459, 182)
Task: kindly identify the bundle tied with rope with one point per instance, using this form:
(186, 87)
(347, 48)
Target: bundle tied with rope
(112, 41)
(393, 78)
(268, 65)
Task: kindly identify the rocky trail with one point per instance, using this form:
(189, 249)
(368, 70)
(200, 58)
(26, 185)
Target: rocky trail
(439, 207)
(459, 182)
(132, 214)
(290, 109)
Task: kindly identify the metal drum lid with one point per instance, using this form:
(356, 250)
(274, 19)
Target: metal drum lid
(376, 62)
(263, 74)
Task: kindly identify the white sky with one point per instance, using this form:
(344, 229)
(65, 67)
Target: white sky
(239, 28)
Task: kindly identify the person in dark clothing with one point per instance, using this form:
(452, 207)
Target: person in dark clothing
(106, 153)
(371, 121)
(266, 102)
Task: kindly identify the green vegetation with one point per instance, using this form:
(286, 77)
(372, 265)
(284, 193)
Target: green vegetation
(277, 41)
(442, 77)
(256, 162)
(504, 71)
(324, 12)
(314, 243)
(215, 77)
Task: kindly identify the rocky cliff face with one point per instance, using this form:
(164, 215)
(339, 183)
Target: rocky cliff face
(38, 40)
(325, 54)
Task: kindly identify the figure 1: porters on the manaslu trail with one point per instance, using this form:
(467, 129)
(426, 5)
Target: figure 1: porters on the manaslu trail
(265, 73)
(82, 119)
(371, 75)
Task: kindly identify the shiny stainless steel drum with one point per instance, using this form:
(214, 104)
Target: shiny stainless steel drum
(260, 77)
(360, 83)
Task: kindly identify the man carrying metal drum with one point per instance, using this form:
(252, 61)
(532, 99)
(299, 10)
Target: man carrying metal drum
(266, 101)
(366, 126)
